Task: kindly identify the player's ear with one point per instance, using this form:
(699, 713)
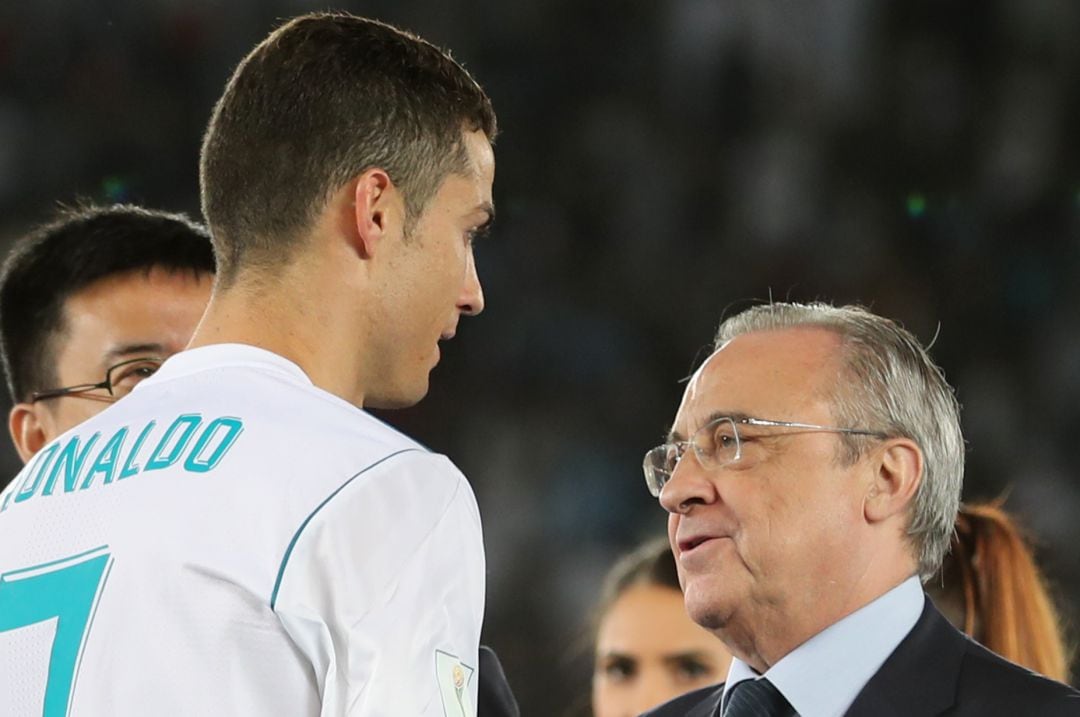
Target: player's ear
(898, 471)
(28, 428)
(377, 209)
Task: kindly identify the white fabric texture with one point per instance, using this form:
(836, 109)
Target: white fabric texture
(296, 556)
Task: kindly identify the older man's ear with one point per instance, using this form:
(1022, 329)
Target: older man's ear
(897, 474)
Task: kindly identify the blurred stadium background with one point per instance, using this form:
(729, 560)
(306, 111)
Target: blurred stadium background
(661, 162)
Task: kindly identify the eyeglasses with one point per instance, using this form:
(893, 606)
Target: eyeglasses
(119, 380)
(723, 441)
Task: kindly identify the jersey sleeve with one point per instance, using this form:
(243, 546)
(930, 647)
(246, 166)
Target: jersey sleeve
(382, 590)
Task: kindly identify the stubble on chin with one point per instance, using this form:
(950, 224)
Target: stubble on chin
(399, 397)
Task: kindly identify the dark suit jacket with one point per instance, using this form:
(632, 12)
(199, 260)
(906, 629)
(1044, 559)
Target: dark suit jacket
(494, 698)
(935, 670)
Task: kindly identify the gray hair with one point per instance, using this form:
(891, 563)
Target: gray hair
(888, 383)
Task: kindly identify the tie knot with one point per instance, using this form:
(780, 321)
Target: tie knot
(757, 698)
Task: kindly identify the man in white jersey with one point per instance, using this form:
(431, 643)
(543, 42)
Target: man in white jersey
(90, 304)
(238, 536)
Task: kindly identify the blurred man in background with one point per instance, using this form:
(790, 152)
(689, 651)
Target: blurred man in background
(90, 304)
(812, 476)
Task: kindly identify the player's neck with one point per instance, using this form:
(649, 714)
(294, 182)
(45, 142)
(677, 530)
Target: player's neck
(305, 329)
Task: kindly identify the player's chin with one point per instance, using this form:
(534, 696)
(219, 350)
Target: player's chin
(400, 396)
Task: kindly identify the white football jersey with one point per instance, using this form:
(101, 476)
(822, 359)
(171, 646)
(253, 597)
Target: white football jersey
(232, 540)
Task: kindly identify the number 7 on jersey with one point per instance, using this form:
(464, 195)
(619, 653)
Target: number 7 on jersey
(67, 590)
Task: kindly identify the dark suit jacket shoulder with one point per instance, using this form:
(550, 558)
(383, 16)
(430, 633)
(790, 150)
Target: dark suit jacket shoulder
(938, 670)
(935, 671)
(493, 696)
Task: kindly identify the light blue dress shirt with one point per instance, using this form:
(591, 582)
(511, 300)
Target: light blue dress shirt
(824, 675)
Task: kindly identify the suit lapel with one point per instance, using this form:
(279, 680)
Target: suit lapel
(710, 706)
(920, 676)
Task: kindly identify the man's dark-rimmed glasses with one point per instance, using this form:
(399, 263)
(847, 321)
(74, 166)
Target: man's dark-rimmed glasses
(120, 379)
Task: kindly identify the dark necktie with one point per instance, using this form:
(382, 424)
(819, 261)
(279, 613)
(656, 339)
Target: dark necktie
(757, 698)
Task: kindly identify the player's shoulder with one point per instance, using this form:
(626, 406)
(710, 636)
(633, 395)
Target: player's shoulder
(428, 483)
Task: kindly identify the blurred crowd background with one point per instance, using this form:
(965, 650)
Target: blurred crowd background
(661, 163)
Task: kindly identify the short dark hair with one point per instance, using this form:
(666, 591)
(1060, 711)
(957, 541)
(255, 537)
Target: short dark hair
(79, 247)
(651, 563)
(324, 98)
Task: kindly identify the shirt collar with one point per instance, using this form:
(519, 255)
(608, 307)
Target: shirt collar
(825, 674)
(219, 355)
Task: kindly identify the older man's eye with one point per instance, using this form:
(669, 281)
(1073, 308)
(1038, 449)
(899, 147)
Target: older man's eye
(671, 457)
(722, 442)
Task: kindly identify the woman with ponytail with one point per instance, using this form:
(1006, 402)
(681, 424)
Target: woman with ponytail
(991, 589)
